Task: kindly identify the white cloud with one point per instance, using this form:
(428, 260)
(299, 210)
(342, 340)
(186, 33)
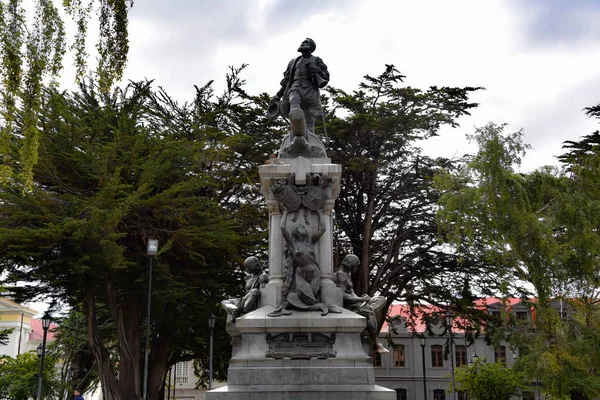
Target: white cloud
(536, 78)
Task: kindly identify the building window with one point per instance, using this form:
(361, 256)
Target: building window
(399, 356)
(181, 372)
(522, 315)
(528, 396)
(376, 359)
(461, 355)
(437, 356)
(439, 394)
(500, 354)
(461, 396)
(401, 394)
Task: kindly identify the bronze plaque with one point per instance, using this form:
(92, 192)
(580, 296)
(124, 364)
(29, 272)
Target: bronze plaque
(301, 346)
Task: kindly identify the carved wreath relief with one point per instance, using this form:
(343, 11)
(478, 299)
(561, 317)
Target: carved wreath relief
(301, 272)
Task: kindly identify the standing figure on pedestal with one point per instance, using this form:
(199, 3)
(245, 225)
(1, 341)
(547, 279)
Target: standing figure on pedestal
(364, 305)
(300, 100)
(256, 280)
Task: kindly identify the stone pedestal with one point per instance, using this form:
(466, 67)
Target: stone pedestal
(300, 166)
(304, 355)
(259, 370)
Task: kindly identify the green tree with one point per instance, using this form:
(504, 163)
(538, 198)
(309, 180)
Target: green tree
(4, 339)
(33, 45)
(487, 381)
(386, 211)
(540, 229)
(115, 170)
(78, 368)
(19, 377)
(490, 208)
(560, 350)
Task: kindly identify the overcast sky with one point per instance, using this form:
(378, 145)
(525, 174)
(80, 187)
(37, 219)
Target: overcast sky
(538, 60)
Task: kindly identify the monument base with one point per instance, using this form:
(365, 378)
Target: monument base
(298, 392)
(299, 356)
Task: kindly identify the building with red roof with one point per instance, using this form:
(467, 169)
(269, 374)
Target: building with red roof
(402, 368)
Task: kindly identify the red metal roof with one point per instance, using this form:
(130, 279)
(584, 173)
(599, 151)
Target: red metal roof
(416, 321)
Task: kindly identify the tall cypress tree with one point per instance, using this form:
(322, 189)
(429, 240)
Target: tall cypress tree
(116, 170)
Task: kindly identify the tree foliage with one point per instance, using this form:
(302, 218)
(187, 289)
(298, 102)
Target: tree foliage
(503, 215)
(541, 231)
(78, 369)
(559, 348)
(115, 170)
(19, 377)
(32, 52)
(488, 381)
(387, 206)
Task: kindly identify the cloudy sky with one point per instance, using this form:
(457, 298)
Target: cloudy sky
(537, 59)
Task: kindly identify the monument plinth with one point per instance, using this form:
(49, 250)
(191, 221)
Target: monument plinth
(293, 334)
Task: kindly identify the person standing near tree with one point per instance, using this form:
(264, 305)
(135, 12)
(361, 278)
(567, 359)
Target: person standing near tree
(77, 395)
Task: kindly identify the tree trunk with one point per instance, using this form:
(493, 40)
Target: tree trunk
(129, 334)
(159, 356)
(367, 233)
(110, 386)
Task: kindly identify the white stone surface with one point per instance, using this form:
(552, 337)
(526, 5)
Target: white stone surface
(300, 321)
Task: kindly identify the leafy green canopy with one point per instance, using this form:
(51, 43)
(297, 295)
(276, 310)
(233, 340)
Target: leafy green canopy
(488, 381)
(538, 227)
(387, 206)
(116, 170)
(540, 230)
(32, 51)
(19, 377)
(559, 348)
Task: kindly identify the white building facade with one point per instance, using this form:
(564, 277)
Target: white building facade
(20, 319)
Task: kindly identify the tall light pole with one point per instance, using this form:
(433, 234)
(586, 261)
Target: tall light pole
(449, 321)
(422, 343)
(42, 352)
(151, 251)
(211, 325)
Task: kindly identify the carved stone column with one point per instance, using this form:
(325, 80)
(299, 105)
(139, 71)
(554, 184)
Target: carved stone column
(300, 166)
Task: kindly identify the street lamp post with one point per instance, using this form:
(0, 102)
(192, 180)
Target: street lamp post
(151, 251)
(211, 325)
(422, 343)
(449, 320)
(42, 352)
(472, 362)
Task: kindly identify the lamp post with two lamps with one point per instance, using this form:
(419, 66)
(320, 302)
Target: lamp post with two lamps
(41, 352)
(422, 343)
(211, 325)
(151, 251)
(449, 322)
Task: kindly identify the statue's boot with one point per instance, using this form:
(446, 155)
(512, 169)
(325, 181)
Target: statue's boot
(297, 122)
(281, 310)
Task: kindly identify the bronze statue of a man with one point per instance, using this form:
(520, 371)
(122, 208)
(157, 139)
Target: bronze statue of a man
(299, 92)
